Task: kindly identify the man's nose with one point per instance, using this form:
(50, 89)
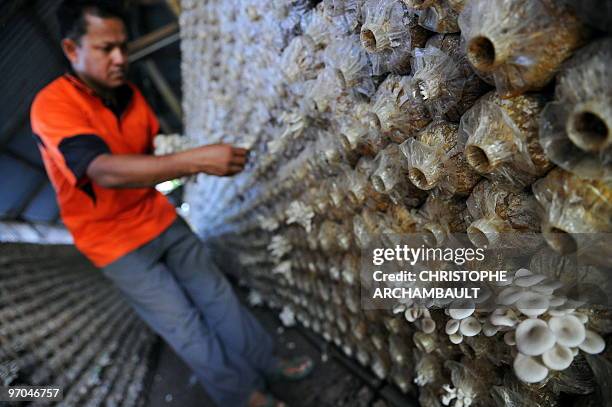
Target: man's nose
(119, 56)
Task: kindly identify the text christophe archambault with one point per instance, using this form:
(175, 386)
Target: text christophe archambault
(419, 283)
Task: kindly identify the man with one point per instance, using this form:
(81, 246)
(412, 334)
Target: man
(95, 134)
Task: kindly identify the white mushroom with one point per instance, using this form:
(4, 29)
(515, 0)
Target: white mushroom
(510, 295)
(412, 314)
(528, 281)
(528, 369)
(456, 338)
(559, 312)
(470, 327)
(428, 325)
(593, 343)
(489, 329)
(452, 326)
(532, 304)
(557, 301)
(547, 287)
(581, 317)
(461, 309)
(568, 329)
(522, 272)
(503, 317)
(509, 338)
(558, 358)
(399, 308)
(533, 337)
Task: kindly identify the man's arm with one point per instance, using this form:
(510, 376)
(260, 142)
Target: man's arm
(135, 171)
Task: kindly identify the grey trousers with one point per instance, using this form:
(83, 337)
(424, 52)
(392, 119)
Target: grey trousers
(173, 284)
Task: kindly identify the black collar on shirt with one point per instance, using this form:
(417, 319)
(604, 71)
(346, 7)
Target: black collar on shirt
(118, 104)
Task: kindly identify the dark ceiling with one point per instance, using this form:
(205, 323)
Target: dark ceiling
(30, 58)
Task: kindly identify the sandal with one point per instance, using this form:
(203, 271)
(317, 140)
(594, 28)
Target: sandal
(292, 369)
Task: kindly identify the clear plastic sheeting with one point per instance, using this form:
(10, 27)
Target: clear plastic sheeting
(502, 139)
(436, 15)
(521, 43)
(435, 160)
(498, 215)
(344, 15)
(398, 110)
(444, 79)
(440, 216)
(299, 61)
(577, 215)
(314, 25)
(389, 33)
(390, 177)
(349, 59)
(576, 128)
(357, 134)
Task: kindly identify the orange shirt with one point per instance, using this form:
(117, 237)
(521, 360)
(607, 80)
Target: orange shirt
(74, 126)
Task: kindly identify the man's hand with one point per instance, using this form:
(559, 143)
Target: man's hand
(216, 159)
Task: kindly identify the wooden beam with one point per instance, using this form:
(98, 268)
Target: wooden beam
(149, 43)
(164, 89)
(175, 6)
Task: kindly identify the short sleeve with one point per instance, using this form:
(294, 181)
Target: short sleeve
(65, 134)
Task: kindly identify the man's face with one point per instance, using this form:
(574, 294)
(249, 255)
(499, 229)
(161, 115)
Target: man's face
(100, 56)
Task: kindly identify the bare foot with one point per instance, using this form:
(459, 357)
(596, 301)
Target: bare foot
(259, 399)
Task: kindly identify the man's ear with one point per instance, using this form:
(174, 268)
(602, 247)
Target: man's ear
(69, 47)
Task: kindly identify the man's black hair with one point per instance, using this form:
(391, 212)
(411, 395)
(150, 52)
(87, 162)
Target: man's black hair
(71, 15)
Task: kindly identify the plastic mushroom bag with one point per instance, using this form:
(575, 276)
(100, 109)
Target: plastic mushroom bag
(389, 33)
(357, 133)
(367, 227)
(436, 15)
(602, 372)
(345, 15)
(576, 128)
(428, 397)
(577, 215)
(444, 79)
(502, 139)
(514, 393)
(521, 43)
(360, 191)
(502, 218)
(435, 160)
(397, 110)
(323, 94)
(300, 60)
(596, 13)
(468, 386)
(439, 217)
(577, 281)
(401, 219)
(346, 56)
(390, 177)
(314, 25)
